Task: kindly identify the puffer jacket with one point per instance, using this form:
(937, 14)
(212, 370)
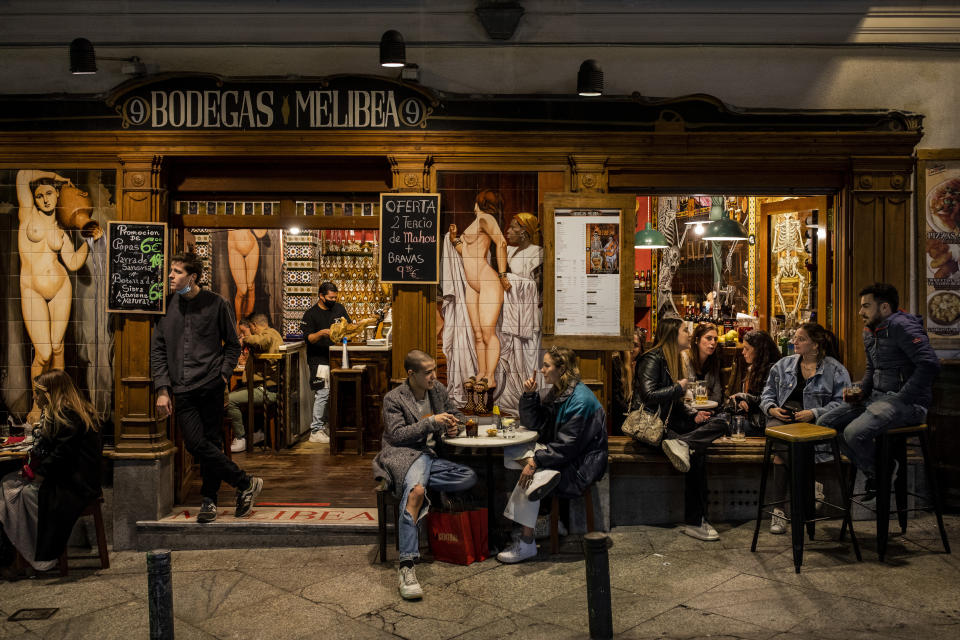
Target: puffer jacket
(573, 428)
(823, 391)
(657, 391)
(900, 359)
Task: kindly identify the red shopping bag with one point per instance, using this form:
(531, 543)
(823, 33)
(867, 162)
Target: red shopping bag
(451, 538)
(478, 527)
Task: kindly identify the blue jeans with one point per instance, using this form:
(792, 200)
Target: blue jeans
(430, 473)
(320, 410)
(860, 423)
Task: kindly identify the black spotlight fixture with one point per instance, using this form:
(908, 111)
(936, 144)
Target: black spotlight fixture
(393, 52)
(83, 60)
(590, 79)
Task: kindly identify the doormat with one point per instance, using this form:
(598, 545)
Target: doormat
(32, 614)
(285, 513)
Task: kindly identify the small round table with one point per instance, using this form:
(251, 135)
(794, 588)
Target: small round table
(488, 444)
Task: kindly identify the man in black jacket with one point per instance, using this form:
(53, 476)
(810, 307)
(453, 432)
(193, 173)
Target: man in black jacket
(193, 351)
(315, 327)
(901, 368)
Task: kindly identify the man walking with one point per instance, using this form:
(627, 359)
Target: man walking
(192, 355)
(261, 338)
(896, 387)
(315, 327)
(415, 416)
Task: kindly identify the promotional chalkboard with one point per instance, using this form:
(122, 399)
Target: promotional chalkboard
(409, 237)
(137, 267)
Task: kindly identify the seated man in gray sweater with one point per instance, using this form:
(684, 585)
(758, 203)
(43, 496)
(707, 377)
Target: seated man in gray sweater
(415, 416)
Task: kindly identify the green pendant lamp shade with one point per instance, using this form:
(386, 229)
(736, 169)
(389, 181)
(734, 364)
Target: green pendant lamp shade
(725, 230)
(649, 238)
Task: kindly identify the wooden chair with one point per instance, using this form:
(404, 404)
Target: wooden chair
(346, 408)
(93, 509)
(555, 518)
(263, 364)
(385, 498)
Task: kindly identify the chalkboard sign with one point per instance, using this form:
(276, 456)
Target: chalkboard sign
(137, 267)
(409, 237)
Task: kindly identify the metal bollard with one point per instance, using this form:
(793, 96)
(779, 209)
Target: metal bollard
(160, 594)
(598, 586)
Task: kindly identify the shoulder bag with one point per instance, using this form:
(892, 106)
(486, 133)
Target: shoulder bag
(645, 427)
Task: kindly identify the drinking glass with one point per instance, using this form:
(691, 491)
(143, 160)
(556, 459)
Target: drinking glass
(738, 427)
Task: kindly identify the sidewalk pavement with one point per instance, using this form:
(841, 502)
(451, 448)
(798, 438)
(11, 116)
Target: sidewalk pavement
(664, 585)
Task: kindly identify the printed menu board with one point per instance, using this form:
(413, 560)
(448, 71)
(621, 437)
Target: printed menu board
(942, 252)
(587, 272)
(136, 267)
(409, 237)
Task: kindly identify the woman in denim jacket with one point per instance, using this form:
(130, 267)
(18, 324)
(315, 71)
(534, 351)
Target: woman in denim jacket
(801, 388)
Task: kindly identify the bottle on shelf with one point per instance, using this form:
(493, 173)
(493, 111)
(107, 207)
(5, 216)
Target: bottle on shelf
(637, 282)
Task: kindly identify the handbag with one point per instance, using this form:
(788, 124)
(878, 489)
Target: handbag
(645, 427)
(451, 537)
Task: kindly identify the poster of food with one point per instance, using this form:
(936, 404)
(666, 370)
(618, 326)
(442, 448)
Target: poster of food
(941, 240)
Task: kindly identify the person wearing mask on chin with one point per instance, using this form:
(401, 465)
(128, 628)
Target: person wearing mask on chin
(897, 385)
(193, 352)
(315, 327)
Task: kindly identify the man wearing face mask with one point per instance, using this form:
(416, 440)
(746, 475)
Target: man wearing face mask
(315, 326)
(193, 351)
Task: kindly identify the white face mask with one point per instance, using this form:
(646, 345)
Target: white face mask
(184, 291)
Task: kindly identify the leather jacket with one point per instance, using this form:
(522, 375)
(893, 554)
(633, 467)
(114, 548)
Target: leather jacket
(656, 389)
(900, 359)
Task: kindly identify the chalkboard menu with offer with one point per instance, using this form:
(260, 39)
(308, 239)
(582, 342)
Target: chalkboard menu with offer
(136, 267)
(409, 237)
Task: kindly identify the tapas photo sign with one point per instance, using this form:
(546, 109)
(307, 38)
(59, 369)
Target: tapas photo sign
(939, 194)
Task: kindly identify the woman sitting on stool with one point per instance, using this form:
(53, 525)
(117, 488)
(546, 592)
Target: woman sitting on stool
(570, 454)
(40, 503)
(749, 377)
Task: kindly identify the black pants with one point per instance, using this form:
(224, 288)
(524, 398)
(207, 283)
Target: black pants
(698, 437)
(200, 416)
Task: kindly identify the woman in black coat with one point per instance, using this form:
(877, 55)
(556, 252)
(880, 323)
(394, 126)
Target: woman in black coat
(689, 432)
(40, 504)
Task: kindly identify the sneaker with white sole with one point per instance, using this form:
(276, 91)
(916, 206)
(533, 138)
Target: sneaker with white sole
(544, 481)
(778, 522)
(704, 532)
(678, 452)
(246, 497)
(208, 512)
(518, 552)
(320, 436)
(410, 588)
(258, 437)
(239, 444)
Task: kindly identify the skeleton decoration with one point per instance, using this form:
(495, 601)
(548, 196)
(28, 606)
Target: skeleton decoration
(788, 248)
(669, 257)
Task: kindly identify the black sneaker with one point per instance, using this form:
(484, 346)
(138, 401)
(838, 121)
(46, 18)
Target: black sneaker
(208, 511)
(246, 497)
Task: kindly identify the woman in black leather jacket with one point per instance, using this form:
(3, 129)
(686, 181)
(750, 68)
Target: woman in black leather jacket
(689, 432)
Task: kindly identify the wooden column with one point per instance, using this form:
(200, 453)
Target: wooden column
(139, 434)
(414, 305)
(588, 173)
(874, 244)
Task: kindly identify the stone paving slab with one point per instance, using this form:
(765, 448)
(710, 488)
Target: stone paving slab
(663, 585)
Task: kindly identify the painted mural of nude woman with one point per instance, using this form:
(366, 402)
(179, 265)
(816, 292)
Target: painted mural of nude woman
(485, 286)
(243, 251)
(46, 254)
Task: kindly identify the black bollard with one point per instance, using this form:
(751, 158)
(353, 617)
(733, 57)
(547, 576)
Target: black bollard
(160, 593)
(598, 586)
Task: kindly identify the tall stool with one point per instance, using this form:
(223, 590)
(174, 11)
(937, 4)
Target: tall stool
(555, 518)
(799, 441)
(892, 445)
(385, 498)
(346, 408)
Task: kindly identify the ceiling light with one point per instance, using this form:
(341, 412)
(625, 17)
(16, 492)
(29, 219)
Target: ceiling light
(590, 79)
(725, 230)
(83, 60)
(393, 51)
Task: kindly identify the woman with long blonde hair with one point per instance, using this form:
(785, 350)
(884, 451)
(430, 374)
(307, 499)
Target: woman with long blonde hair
(40, 503)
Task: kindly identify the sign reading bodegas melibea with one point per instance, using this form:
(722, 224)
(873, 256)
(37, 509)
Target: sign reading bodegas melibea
(206, 102)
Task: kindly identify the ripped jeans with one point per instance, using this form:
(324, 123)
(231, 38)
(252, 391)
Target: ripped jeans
(430, 473)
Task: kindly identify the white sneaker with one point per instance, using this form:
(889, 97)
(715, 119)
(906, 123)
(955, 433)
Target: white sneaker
(818, 496)
(704, 532)
(239, 444)
(678, 452)
(410, 588)
(544, 481)
(778, 523)
(518, 552)
(320, 436)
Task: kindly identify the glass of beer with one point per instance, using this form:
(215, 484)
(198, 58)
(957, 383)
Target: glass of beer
(700, 396)
(738, 427)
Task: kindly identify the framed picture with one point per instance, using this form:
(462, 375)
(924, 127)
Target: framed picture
(938, 201)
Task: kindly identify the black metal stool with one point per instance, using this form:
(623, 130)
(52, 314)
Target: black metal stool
(799, 440)
(892, 445)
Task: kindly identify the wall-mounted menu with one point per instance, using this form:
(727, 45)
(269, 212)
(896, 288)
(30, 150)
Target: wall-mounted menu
(409, 237)
(136, 267)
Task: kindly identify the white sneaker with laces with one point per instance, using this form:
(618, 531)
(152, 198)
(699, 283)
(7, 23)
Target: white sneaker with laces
(410, 588)
(704, 532)
(778, 522)
(239, 444)
(518, 552)
(544, 481)
(678, 452)
(320, 436)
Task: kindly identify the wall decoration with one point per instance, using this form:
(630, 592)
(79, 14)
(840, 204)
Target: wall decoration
(939, 195)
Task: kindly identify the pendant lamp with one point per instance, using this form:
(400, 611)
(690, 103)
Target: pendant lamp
(725, 230)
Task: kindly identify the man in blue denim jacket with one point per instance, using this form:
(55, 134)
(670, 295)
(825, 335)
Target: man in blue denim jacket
(897, 384)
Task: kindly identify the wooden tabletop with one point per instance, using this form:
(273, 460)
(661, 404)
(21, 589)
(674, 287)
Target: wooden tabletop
(801, 432)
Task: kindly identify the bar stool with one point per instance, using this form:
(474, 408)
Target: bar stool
(346, 408)
(385, 498)
(555, 517)
(892, 445)
(799, 441)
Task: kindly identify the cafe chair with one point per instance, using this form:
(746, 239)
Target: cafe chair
(799, 440)
(93, 509)
(263, 364)
(385, 499)
(555, 517)
(892, 445)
